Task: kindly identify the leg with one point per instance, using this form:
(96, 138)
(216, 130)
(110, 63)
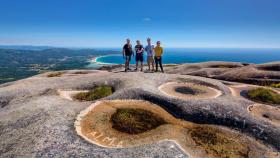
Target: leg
(160, 64)
(128, 61)
(136, 59)
(153, 64)
(136, 65)
(156, 60)
(149, 62)
(125, 65)
(141, 60)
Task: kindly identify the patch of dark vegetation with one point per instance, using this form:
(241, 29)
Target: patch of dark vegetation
(170, 65)
(224, 66)
(255, 81)
(135, 121)
(94, 94)
(188, 90)
(270, 68)
(81, 72)
(55, 74)
(218, 144)
(264, 95)
(276, 85)
(110, 67)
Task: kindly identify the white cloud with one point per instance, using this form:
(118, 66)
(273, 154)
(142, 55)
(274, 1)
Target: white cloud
(147, 19)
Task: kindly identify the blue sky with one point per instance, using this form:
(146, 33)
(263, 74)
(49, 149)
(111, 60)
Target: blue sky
(107, 23)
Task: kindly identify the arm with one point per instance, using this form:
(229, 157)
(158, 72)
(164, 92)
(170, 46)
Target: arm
(142, 49)
(123, 52)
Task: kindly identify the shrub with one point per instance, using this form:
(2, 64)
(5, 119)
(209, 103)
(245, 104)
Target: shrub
(94, 94)
(264, 95)
(55, 74)
(135, 121)
(217, 143)
(276, 85)
(81, 72)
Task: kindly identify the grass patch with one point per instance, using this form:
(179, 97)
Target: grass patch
(170, 65)
(81, 72)
(135, 121)
(218, 144)
(276, 85)
(96, 93)
(55, 74)
(264, 95)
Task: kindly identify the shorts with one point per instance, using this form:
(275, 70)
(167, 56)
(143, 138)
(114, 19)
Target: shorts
(139, 57)
(128, 58)
(150, 59)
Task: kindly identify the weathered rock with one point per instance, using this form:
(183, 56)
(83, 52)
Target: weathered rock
(37, 122)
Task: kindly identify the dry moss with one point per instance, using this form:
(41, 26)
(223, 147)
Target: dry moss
(264, 95)
(170, 65)
(81, 72)
(276, 85)
(94, 94)
(135, 121)
(55, 74)
(218, 144)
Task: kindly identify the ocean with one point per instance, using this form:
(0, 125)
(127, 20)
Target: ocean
(194, 55)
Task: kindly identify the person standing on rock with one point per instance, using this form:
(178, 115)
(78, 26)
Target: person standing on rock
(150, 54)
(158, 56)
(127, 52)
(139, 49)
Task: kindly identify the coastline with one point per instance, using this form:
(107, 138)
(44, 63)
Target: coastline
(174, 56)
(95, 59)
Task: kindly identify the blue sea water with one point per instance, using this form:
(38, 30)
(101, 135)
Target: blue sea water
(193, 55)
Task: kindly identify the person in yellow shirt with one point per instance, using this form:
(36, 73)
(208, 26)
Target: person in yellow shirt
(158, 56)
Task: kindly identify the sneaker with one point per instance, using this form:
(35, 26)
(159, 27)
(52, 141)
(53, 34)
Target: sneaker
(135, 69)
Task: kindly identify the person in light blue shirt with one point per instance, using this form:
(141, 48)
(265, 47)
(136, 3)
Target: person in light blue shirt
(150, 54)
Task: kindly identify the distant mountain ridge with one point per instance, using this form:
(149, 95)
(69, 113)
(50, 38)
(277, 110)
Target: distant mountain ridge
(25, 47)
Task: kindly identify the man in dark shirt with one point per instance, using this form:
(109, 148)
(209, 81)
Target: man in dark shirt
(127, 52)
(139, 49)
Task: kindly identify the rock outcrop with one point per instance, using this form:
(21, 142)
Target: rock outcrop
(38, 114)
(262, 74)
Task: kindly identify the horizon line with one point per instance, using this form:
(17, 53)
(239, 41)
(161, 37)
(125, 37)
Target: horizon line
(102, 47)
